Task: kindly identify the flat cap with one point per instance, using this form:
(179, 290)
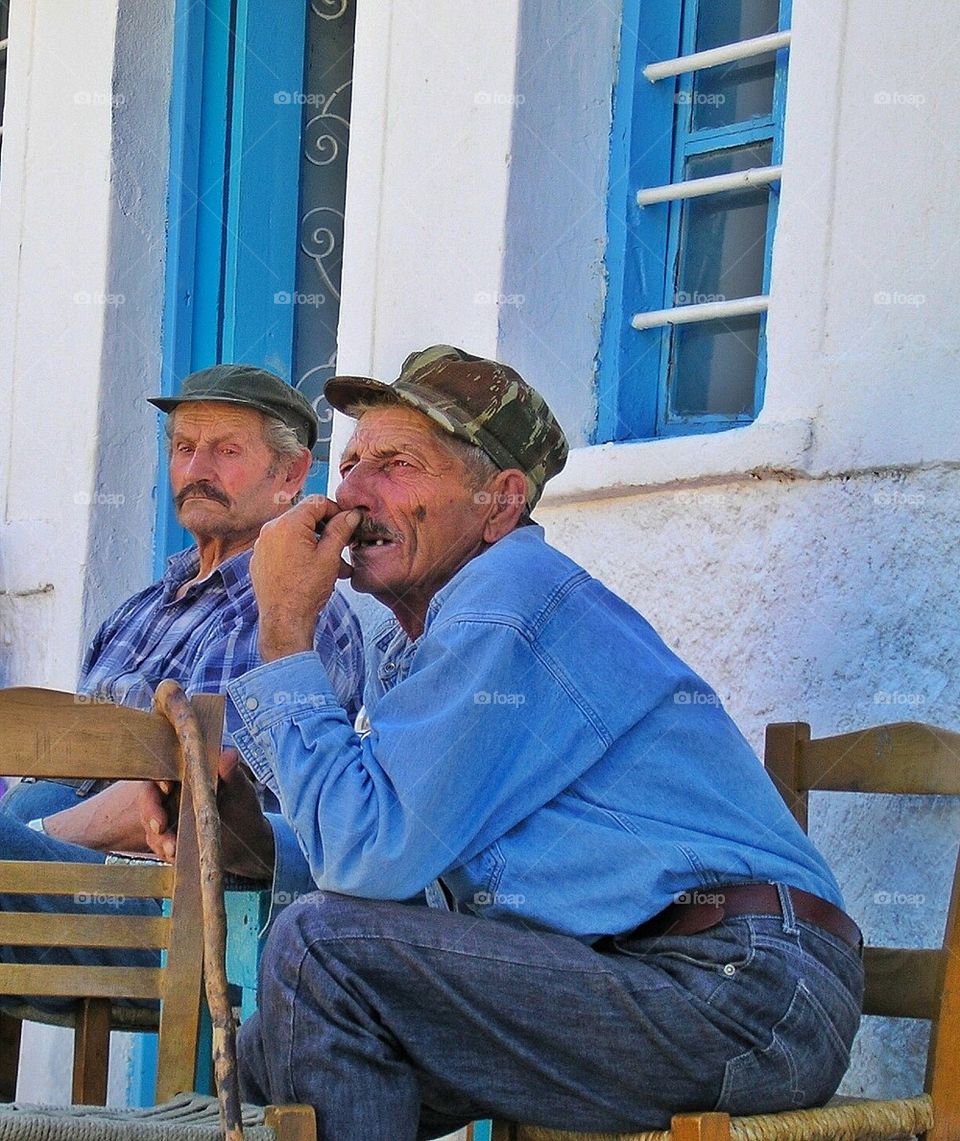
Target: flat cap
(250, 387)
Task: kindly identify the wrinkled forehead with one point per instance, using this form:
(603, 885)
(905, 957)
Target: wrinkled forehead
(216, 418)
(395, 428)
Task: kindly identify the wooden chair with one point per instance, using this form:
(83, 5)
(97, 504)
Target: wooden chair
(48, 734)
(909, 759)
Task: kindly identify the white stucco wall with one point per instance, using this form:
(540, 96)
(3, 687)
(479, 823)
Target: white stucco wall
(56, 155)
(81, 254)
(805, 565)
(82, 210)
(551, 292)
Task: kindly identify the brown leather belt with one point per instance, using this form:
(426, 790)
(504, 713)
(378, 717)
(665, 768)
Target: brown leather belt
(702, 908)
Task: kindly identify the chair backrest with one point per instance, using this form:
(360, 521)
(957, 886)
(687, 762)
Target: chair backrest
(49, 734)
(912, 759)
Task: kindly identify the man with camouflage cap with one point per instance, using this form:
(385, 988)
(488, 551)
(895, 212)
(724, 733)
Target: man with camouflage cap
(621, 907)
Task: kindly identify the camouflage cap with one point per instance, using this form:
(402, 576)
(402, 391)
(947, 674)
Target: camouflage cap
(478, 400)
(250, 387)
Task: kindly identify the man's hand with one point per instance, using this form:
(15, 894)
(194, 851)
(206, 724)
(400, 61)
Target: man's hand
(106, 822)
(247, 837)
(159, 820)
(294, 572)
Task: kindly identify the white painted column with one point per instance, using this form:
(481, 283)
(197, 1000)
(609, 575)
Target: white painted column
(428, 180)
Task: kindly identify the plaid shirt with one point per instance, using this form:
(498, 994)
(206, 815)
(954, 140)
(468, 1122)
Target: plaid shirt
(206, 638)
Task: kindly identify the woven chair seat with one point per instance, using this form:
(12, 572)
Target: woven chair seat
(846, 1119)
(187, 1117)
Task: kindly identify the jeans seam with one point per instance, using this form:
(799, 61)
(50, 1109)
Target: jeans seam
(829, 1028)
(294, 1008)
(491, 958)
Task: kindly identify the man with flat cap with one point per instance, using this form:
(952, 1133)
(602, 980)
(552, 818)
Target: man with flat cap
(625, 921)
(240, 443)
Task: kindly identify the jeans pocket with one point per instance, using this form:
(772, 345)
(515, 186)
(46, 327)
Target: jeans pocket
(800, 1066)
(707, 965)
(716, 948)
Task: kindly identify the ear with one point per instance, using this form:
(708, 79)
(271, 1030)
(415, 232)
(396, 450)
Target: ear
(508, 496)
(296, 473)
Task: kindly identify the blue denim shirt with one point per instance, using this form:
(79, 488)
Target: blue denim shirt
(538, 749)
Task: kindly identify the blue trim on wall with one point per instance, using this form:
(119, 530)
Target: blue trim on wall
(617, 194)
(143, 1071)
(232, 201)
(637, 238)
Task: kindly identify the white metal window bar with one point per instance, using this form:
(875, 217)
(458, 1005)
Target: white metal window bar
(708, 311)
(698, 187)
(742, 49)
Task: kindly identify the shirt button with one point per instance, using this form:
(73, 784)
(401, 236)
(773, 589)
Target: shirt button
(252, 704)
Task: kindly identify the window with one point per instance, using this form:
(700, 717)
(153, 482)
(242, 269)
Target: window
(695, 179)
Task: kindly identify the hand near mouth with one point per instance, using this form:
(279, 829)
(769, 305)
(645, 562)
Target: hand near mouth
(294, 570)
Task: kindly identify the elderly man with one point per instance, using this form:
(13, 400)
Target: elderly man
(625, 920)
(239, 446)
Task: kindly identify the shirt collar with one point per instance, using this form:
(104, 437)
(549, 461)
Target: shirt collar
(389, 638)
(233, 574)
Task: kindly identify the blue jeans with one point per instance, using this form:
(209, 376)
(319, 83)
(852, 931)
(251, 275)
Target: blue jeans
(35, 799)
(18, 842)
(399, 1022)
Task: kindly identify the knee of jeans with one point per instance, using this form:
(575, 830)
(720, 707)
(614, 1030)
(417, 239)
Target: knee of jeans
(308, 927)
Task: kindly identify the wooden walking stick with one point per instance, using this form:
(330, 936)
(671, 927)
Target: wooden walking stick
(173, 703)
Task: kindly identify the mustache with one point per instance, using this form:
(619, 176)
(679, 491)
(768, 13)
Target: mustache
(369, 530)
(204, 490)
